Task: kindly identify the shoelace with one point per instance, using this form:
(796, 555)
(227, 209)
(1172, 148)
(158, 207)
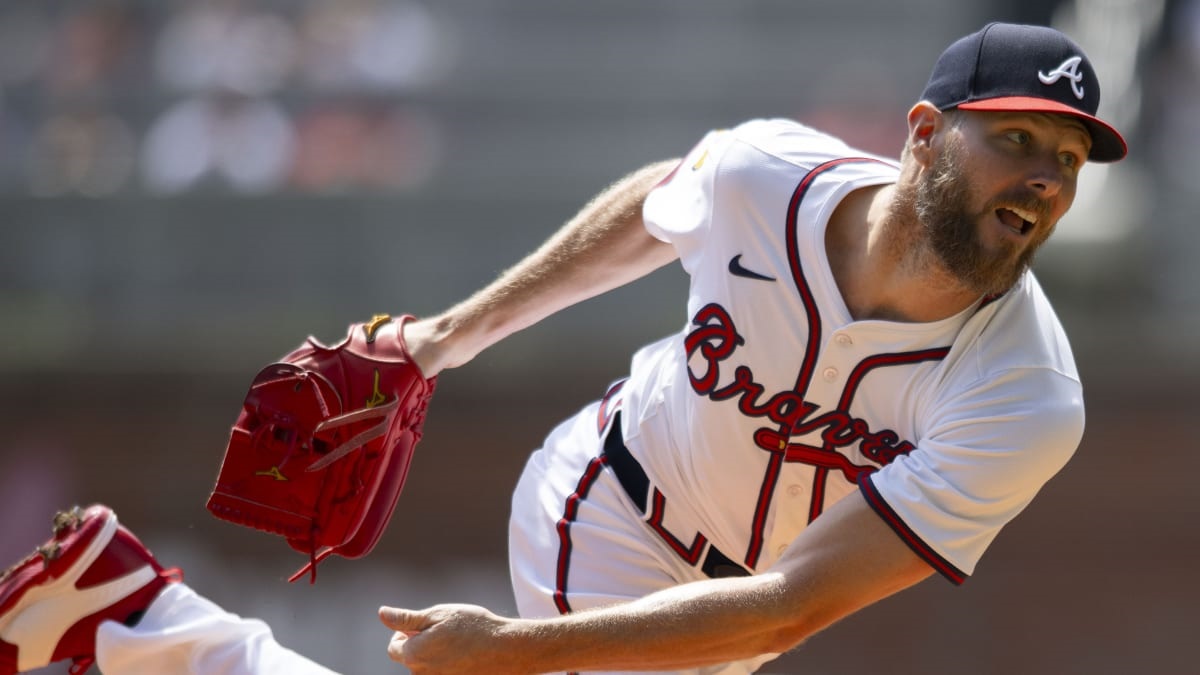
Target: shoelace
(69, 519)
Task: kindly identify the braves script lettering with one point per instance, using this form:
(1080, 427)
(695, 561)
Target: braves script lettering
(715, 339)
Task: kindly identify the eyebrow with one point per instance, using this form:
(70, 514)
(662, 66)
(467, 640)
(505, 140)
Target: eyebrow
(1074, 123)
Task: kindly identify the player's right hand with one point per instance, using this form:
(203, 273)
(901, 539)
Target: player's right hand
(450, 639)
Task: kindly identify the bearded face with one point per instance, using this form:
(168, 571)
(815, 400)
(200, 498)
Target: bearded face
(952, 227)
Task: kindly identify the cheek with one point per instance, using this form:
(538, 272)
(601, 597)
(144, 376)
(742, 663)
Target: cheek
(1064, 200)
(980, 189)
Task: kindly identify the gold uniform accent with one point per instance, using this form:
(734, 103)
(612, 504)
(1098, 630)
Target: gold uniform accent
(273, 472)
(375, 324)
(376, 397)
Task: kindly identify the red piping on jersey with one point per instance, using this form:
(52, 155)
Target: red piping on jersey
(570, 512)
(793, 250)
(607, 407)
(914, 542)
(880, 360)
(817, 504)
(775, 463)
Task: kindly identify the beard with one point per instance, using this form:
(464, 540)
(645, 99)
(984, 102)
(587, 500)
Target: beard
(951, 231)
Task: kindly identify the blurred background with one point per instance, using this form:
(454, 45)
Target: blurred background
(188, 188)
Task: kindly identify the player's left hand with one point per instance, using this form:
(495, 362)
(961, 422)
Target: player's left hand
(449, 639)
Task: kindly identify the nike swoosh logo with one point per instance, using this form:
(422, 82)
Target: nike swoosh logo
(736, 269)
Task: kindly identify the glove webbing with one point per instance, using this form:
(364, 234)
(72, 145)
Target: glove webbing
(359, 440)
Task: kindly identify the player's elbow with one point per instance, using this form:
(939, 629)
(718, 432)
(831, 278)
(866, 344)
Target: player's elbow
(802, 609)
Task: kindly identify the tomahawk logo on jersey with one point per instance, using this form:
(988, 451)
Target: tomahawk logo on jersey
(773, 402)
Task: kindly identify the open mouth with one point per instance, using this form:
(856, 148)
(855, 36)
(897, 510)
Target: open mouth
(1017, 219)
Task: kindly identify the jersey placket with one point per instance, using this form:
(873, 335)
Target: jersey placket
(802, 488)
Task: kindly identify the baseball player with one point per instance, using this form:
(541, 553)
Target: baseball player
(869, 385)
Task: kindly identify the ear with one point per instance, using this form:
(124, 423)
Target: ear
(924, 122)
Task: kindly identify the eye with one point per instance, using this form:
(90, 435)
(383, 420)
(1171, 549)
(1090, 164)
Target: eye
(1018, 137)
(1068, 159)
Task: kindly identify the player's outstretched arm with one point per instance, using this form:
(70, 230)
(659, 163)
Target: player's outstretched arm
(604, 246)
(846, 560)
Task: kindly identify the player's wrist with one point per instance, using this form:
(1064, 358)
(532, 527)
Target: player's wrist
(427, 345)
(539, 645)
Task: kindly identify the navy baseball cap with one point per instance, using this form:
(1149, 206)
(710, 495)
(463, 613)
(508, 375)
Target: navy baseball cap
(1010, 67)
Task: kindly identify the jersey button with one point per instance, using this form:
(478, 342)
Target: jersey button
(795, 490)
(830, 374)
(844, 340)
(779, 551)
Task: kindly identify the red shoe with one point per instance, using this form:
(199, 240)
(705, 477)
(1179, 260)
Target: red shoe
(92, 570)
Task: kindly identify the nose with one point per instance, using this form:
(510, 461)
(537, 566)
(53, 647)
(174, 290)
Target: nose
(1046, 178)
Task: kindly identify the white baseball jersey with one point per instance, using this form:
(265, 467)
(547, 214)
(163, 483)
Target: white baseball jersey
(773, 403)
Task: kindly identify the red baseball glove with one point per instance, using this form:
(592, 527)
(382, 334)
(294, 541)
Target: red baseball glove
(322, 446)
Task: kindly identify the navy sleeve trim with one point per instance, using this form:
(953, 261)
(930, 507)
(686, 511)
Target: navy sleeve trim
(914, 542)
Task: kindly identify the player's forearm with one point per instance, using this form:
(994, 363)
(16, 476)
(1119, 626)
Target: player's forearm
(823, 577)
(696, 624)
(604, 246)
(847, 559)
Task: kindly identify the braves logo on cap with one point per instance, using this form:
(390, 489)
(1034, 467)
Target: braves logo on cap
(1068, 69)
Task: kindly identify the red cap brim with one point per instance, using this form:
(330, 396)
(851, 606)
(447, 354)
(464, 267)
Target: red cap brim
(1107, 143)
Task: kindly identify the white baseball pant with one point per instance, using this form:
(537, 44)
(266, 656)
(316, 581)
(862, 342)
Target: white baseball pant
(182, 632)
